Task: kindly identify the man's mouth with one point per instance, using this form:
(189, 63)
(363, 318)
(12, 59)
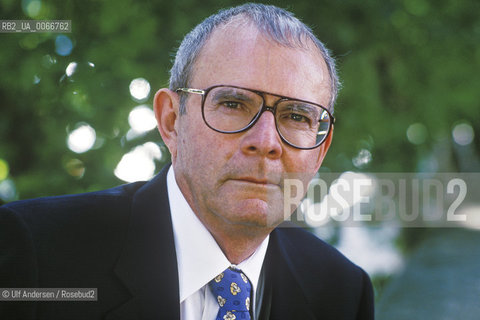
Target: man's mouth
(258, 181)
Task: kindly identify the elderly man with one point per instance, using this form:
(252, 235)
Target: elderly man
(250, 101)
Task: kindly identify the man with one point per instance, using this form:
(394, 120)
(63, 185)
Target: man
(250, 101)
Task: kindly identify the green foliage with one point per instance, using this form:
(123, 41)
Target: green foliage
(401, 62)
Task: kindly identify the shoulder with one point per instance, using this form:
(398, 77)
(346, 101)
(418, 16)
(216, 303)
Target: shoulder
(77, 206)
(47, 239)
(330, 281)
(296, 241)
(333, 286)
(69, 221)
(65, 201)
(307, 254)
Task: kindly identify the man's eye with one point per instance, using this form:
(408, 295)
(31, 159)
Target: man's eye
(298, 117)
(231, 104)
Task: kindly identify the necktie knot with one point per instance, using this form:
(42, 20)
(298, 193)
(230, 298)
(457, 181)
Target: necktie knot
(232, 289)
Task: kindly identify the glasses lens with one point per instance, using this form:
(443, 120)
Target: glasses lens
(302, 124)
(231, 109)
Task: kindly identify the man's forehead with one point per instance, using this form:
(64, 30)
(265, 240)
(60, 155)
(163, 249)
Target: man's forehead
(230, 34)
(240, 54)
(241, 27)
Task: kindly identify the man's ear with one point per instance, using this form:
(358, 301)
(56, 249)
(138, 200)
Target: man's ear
(166, 108)
(324, 148)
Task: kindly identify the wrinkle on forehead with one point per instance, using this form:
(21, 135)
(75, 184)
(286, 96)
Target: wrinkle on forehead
(241, 40)
(243, 26)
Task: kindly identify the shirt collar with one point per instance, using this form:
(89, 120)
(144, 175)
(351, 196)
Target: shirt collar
(199, 258)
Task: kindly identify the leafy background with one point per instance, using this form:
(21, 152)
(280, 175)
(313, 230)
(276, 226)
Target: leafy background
(409, 70)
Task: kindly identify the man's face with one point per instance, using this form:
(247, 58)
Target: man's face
(236, 179)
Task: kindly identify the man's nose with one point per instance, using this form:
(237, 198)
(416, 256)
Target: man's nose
(262, 139)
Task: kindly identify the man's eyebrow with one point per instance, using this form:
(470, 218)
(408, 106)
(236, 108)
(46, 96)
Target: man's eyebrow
(301, 106)
(231, 95)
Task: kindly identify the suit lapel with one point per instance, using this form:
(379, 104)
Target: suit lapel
(148, 264)
(284, 298)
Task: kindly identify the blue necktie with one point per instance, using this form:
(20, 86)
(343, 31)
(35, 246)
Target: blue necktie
(232, 289)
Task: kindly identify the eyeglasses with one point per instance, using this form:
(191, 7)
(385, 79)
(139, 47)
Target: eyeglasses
(230, 109)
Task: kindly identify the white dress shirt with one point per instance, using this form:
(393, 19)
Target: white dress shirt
(200, 259)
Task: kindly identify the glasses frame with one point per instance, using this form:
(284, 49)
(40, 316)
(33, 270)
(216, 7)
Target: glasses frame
(272, 109)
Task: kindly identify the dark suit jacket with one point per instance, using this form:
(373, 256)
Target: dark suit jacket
(121, 241)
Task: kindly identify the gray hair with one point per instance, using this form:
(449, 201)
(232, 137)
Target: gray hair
(277, 24)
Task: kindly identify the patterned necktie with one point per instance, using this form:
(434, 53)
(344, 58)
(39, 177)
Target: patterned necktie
(232, 290)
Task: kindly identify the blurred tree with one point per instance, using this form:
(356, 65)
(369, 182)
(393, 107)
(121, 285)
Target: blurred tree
(407, 67)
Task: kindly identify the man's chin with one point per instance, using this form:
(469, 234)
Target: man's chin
(255, 212)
